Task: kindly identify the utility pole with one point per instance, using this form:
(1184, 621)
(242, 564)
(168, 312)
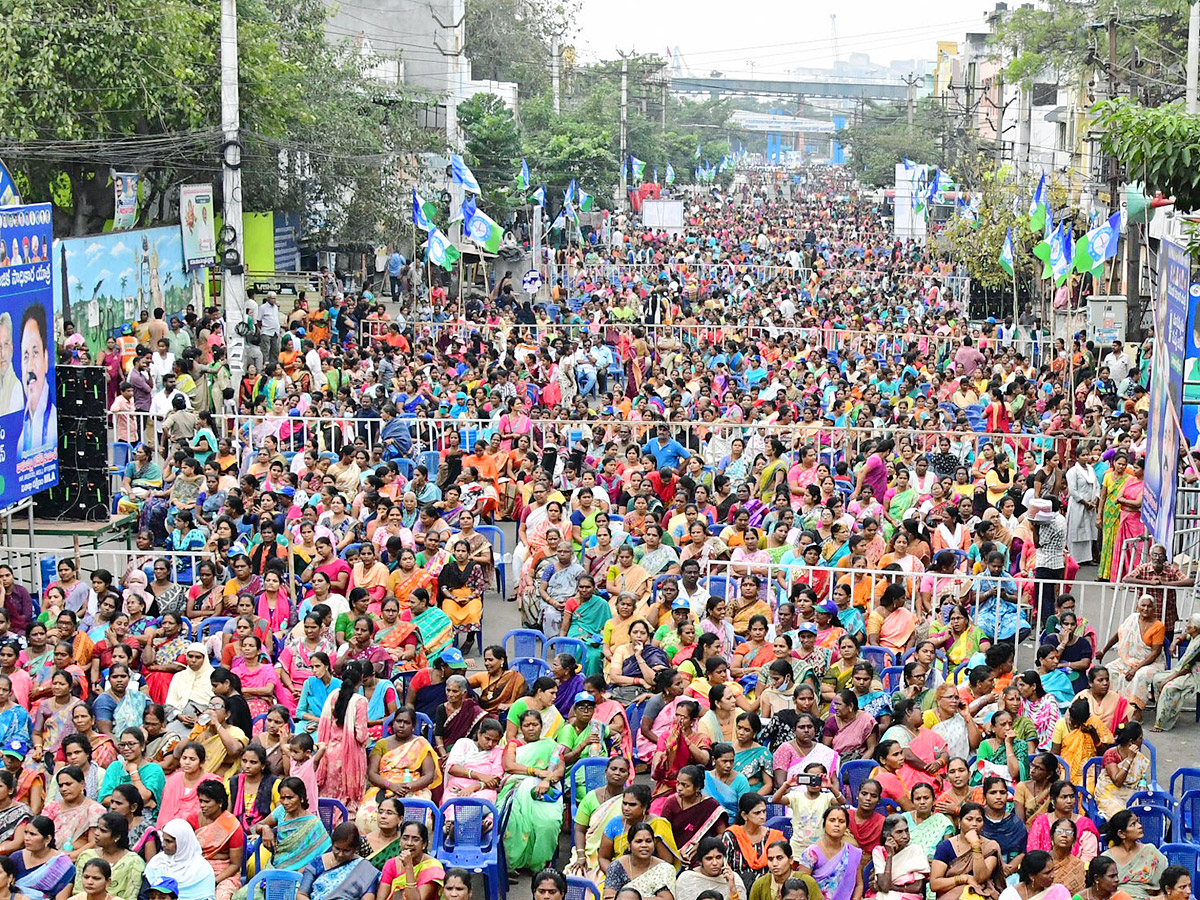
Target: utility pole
(624, 134)
(911, 80)
(555, 62)
(1193, 58)
(233, 279)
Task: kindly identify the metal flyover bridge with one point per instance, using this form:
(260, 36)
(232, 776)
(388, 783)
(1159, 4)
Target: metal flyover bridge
(850, 89)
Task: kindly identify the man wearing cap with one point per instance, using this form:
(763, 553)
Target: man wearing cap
(1050, 538)
(581, 737)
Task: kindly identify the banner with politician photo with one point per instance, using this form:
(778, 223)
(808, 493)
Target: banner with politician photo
(125, 190)
(197, 222)
(28, 415)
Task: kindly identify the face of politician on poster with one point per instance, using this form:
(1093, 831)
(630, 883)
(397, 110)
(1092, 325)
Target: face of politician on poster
(34, 360)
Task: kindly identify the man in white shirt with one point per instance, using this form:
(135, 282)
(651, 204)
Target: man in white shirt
(160, 403)
(162, 363)
(269, 327)
(691, 590)
(1117, 362)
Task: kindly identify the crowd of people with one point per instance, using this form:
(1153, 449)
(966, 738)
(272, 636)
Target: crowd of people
(781, 506)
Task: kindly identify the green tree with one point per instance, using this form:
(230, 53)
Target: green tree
(511, 40)
(134, 85)
(1160, 144)
(493, 145)
(883, 139)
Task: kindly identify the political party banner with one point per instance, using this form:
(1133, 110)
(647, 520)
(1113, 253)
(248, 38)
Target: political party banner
(197, 223)
(125, 188)
(1191, 350)
(1166, 393)
(104, 283)
(28, 415)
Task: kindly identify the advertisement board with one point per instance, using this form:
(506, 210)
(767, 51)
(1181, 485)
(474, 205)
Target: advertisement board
(1166, 392)
(197, 224)
(28, 414)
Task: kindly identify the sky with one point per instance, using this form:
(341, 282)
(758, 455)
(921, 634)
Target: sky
(765, 38)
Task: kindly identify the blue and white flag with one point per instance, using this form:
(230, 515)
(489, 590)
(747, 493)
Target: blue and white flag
(420, 212)
(524, 178)
(461, 174)
(538, 198)
(670, 174)
(909, 165)
(637, 167)
(697, 151)
(569, 193)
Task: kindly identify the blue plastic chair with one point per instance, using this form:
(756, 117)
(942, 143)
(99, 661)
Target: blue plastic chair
(275, 884)
(853, 774)
(386, 726)
(1185, 779)
(574, 646)
(430, 459)
(886, 807)
(879, 657)
(781, 823)
(332, 813)
(591, 771)
(210, 626)
(891, 678)
(254, 723)
(473, 842)
(1161, 798)
(425, 726)
(499, 555)
(581, 889)
(1065, 766)
(1149, 747)
(1156, 819)
(1087, 787)
(1187, 818)
(531, 668)
(525, 642)
(1186, 855)
(717, 586)
(414, 810)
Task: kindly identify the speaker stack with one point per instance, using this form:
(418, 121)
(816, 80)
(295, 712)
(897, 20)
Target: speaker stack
(84, 489)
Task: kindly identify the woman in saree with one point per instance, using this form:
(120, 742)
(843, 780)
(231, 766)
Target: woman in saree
(458, 717)
(73, 812)
(475, 765)
(1106, 704)
(967, 860)
(1139, 642)
(54, 717)
(292, 835)
(141, 479)
(925, 751)
(849, 731)
(499, 686)
(383, 843)
(119, 707)
(837, 677)
(461, 583)
(598, 559)
(596, 810)
(635, 662)
(640, 869)
(260, 681)
(407, 577)
(403, 764)
(162, 658)
(584, 617)
(627, 577)
(802, 750)
(414, 874)
(533, 764)
(833, 861)
(43, 872)
(544, 538)
(296, 659)
(341, 873)
(927, 828)
(1039, 705)
(1129, 524)
(1032, 796)
(1139, 866)
(773, 475)
(901, 865)
(222, 839)
(315, 692)
(1112, 486)
(13, 814)
(679, 745)
(342, 771)
(958, 636)
(38, 659)
(254, 791)
(1003, 755)
(951, 722)
(1125, 769)
(104, 748)
(1063, 801)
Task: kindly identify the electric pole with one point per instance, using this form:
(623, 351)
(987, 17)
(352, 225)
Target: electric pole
(624, 135)
(555, 62)
(911, 81)
(1193, 58)
(233, 279)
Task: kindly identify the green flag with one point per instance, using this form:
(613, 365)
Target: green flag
(1042, 250)
(480, 228)
(1006, 253)
(585, 201)
(441, 251)
(1097, 245)
(1038, 207)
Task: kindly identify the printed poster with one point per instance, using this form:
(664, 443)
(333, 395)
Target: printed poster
(125, 189)
(197, 223)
